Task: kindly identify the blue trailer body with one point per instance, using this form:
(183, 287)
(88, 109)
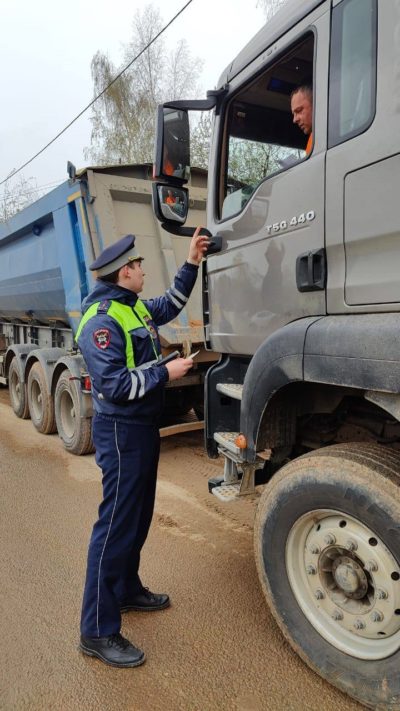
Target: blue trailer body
(45, 254)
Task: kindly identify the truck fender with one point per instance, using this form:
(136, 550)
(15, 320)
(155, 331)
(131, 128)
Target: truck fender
(351, 351)
(277, 362)
(47, 357)
(357, 350)
(20, 352)
(76, 366)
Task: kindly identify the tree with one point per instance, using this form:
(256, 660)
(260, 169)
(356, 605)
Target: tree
(200, 136)
(270, 7)
(17, 195)
(123, 119)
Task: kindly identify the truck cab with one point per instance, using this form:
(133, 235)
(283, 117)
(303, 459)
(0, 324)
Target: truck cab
(301, 297)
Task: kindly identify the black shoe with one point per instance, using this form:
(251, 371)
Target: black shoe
(146, 601)
(114, 650)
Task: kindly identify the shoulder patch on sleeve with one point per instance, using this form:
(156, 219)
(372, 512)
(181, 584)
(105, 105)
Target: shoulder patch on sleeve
(102, 338)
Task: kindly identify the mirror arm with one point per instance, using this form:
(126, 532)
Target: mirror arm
(215, 241)
(213, 100)
(175, 229)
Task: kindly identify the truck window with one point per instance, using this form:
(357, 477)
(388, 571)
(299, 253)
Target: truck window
(261, 139)
(352, 80)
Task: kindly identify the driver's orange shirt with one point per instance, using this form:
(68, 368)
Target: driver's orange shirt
(168, 168)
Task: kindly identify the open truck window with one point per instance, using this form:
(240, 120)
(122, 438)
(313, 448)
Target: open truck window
(261, 139)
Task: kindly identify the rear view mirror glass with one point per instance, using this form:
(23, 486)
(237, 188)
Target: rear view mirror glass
(170, 203)
(172, 160)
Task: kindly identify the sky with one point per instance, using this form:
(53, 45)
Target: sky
(45, 53)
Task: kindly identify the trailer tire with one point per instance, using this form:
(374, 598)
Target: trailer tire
(74, 431)
(40, 400)
(17, 391)
(329, 514)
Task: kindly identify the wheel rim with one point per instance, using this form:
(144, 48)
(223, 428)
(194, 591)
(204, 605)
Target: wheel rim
(67, 413)
(346, 582)
(15, 389)
(36, 400)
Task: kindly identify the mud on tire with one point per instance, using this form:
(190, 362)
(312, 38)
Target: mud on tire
(41, 405)
(352, 493)
(17, 391)
(74, 431)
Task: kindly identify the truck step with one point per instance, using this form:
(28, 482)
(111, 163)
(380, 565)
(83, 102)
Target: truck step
(226, 492)
(233, 390)
(227, 440)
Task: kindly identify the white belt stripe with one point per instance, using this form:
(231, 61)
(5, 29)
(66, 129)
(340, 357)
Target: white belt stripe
(109, 529)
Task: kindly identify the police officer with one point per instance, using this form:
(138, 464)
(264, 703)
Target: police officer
(119, 341)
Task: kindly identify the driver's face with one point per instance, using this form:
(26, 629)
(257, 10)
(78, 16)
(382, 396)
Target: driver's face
(302, 112)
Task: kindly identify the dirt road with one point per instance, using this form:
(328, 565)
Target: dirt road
(216, 648)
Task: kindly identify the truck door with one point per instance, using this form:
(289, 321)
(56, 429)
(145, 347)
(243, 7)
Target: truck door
(268, 199)
(363, 162)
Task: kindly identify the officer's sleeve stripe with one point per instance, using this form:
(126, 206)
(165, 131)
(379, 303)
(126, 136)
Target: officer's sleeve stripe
(138, 385)
(174, 301)
(142, 383)
(179, 294)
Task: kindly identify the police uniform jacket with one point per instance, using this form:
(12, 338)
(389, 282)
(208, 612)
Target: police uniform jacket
(131, 394)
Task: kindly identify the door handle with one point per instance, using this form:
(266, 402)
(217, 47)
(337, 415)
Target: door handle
(311, 270)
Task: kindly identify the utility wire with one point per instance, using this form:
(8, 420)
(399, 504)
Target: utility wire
(11, 175)
(37, 188)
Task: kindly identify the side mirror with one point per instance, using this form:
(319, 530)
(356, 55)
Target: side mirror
(170, 203)
(172, 159)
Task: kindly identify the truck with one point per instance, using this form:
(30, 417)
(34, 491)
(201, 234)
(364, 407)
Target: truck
(301, 297)
(45, 254)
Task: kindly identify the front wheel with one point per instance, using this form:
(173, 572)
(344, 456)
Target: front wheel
(327, 546)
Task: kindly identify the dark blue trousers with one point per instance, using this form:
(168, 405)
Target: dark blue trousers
(128, 457)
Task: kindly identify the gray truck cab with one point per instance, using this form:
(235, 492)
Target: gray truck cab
(301, 296)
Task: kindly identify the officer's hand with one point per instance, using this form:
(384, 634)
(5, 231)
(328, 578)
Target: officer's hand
(198, 247)
(179, 367)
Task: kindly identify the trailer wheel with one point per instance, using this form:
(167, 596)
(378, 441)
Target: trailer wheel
(75, 431)
(17, 391)
(327, 547)
(41, 405)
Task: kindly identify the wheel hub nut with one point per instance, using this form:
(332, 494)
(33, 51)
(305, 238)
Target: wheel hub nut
(376, 616)
(319, 595)
(314, 549)
(359, 625)
(381, 594)
(311, 569)
(351, 545)
(371, 566)
(337, 615)
(330, 539)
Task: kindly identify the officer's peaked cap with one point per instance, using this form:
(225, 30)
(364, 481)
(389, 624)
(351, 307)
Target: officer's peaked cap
(115, 256)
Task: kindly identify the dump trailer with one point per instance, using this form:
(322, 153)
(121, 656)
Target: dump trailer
(302, 299)
(45, 253)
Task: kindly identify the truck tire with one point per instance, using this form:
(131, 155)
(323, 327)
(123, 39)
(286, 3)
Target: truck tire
(327, 548)
(75, 431)
(17, 391)
(41, 405)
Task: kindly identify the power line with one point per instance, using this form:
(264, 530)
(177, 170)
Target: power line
(37, 188)
(98, 96)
